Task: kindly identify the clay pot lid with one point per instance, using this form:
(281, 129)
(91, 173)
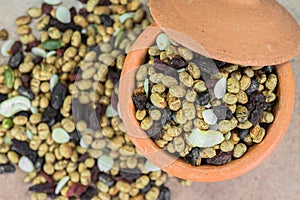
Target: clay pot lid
(245, 32)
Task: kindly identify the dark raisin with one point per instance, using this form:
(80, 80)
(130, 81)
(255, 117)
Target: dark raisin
(114, 76)
(83, 12)
(256, 105)
(33, 156)
(39, 163)
(84, 38)
(155, 130)
(89, 193)
(26, 92)
(220, 159)
(58, 95)
(3, 97)
(203, 98)
(106, 20)
(150, 106)
(107, 179)
(104, 3)
(48, 178)
(166, 116)
(60, 52)
(25, 78)
(61, 26)
(130, 174)
(7, 168)
(253, 87)
(195, 156)
(47, 188)
(16, 59)
(73, 12)
(220, 64)
(46, 8)
(37, 60)
(83, 157)
(165, 194)
(48, 114)
(146, 188)
(243, 133)
(269, 70)
(75, 137)
(223, 112)
(16, 47)
(95, 174)
(140, 101)
(162, 67)
(178, 62)
(31, 45)
(76, 190)
(21, 147)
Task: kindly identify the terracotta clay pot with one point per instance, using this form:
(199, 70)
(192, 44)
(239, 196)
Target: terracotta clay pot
(254, 156)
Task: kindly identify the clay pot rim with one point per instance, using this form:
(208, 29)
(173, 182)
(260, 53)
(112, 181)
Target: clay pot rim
(254, 156)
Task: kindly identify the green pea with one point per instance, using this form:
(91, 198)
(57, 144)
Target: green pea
(52, 44)
(7, 123)
(9, 77)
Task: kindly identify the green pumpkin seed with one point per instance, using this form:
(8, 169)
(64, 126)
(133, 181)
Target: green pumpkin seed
(51, 45)
(9, 77)
(7, 123)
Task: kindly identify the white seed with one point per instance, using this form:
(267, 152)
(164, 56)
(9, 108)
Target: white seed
(125, 16)
(105, 163)
(29, 134)
(228, 136)
(61, 184)
(25, 164)
(63, 14)
(162, 41)
(60, 136)
(205, 139)
(146, 86)
(209, 117)
(151, 167)
(52, 2)
(14, 105)
(51, 53)
(220, 88)
(39, 52)
(83, 144)
(6, 48)
(53, 81)
(111, 112)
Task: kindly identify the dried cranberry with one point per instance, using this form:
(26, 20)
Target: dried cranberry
(60, 52)
(95, 174)
(76, 190)
(25, 78)
(106, 20)
(83, 12)
(203, 98)
(31, 45)
(16, 59)
(58, 95)
(46, 8)
(47, 188)
(178, 62)
(48, 178)
(16, 47)
(140, 101)
(220, 159)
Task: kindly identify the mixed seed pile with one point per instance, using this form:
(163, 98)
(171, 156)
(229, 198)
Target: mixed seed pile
(201, 110)
(59, 107)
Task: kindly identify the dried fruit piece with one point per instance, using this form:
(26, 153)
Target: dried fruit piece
(139, 101)
(76, 190)
(47, 188)
(221, 159)
(178, 62)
